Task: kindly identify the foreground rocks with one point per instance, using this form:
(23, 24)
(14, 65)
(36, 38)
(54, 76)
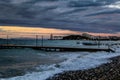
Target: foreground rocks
(109, 71)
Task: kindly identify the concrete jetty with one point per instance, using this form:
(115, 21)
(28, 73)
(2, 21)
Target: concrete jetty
(57, 48)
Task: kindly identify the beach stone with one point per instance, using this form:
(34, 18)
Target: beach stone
(108, 71)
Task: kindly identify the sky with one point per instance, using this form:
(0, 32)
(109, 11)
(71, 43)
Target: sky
(94, 16)
(31, 32)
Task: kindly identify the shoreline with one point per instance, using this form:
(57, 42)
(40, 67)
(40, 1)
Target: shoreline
(108, 71)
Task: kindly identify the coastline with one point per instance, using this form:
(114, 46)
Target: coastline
(108, 71)
(84, 63)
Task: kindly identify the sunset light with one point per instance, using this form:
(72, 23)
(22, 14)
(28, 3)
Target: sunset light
(16, 31)
(59, 39)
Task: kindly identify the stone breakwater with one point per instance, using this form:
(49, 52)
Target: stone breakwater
(109, 71)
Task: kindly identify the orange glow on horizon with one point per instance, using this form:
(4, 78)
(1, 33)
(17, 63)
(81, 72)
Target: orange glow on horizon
(18, 29)
(31, 32)
(15, 31)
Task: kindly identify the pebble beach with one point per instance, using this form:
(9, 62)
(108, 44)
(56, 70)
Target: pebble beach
(108, 71)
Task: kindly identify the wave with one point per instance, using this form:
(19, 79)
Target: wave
(73, 61)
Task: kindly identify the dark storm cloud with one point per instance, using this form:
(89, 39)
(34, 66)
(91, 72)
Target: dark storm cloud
(105, 12)
(80, 15)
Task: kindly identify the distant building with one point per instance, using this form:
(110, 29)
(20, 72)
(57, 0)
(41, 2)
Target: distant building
(88, 35)
(58, 37)
(51, 36)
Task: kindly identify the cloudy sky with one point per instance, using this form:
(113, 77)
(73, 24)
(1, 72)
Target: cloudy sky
(99, 16)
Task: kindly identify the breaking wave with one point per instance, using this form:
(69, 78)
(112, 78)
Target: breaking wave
(73, 61)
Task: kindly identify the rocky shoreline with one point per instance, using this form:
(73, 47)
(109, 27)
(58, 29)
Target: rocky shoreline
(109, 71)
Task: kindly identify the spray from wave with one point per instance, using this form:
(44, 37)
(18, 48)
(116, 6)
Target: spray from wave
(73, 61)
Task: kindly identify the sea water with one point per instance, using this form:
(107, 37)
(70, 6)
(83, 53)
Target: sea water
(47, 64)
(71, 61)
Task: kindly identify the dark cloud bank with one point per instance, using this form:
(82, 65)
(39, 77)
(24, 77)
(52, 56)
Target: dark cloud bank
(80, 15)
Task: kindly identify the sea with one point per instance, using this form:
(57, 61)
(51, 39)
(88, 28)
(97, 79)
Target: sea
(81, 15)
(30, 64)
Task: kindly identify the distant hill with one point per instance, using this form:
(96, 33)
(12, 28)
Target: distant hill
(84, 37)
(75, 37)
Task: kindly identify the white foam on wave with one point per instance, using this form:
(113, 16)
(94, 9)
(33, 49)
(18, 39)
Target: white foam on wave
(73, 61)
